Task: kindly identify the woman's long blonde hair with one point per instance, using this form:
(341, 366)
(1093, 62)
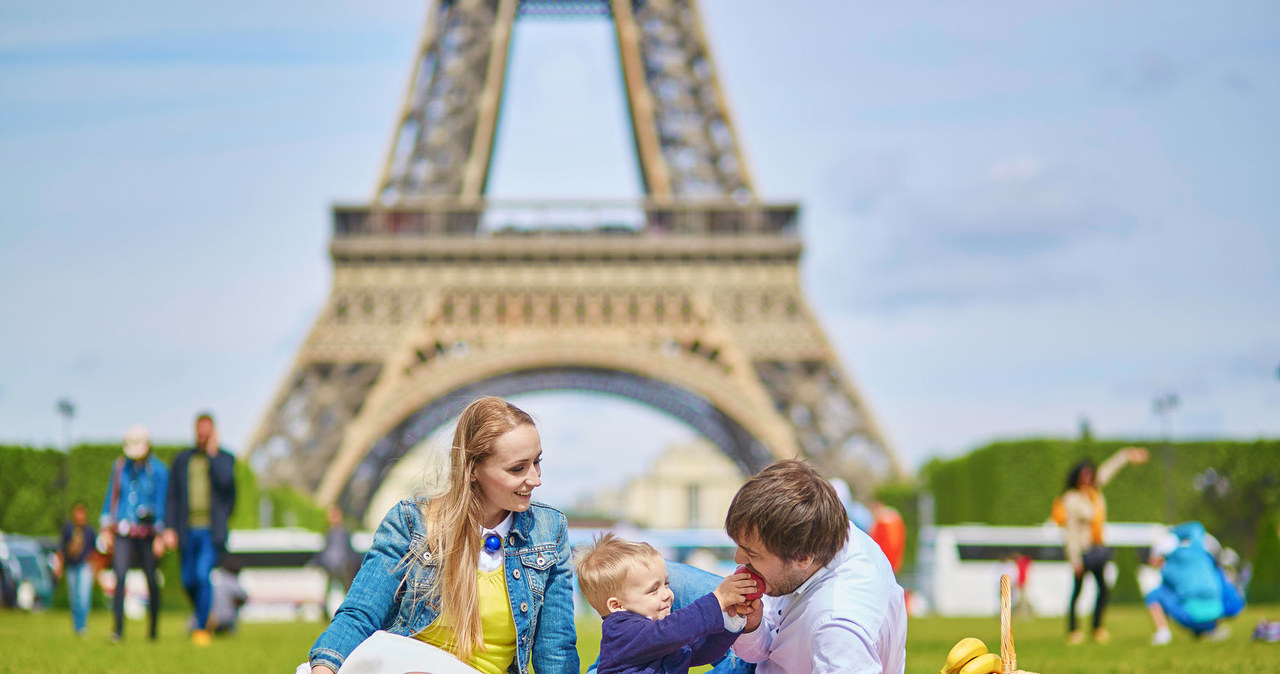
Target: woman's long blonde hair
(454, 520)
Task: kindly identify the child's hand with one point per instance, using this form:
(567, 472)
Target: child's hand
(734, 590)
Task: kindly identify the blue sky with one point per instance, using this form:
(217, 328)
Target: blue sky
(1016, 214)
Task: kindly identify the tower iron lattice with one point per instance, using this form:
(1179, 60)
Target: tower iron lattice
(688, 300)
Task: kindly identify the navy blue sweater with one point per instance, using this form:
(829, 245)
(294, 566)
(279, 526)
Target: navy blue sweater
(695, 635)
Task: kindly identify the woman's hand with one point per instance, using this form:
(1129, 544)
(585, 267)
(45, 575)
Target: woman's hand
(1136, 455)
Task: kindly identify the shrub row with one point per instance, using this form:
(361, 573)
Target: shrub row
(39, 486)
(1233, 487)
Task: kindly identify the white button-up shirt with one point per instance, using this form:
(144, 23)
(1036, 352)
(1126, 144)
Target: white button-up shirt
(850, 616)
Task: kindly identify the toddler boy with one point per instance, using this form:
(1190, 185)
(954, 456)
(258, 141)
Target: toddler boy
(626, 582)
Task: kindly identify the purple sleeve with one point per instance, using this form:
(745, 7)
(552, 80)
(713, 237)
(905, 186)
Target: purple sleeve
(713, 647)
(631, 638)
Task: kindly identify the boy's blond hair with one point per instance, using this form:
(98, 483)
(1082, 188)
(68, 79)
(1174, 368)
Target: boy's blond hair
(602, 567)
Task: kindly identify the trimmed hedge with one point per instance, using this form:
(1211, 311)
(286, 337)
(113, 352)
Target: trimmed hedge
(1002, 483)
(1015, 482)
(39, 486)
(1265, 586)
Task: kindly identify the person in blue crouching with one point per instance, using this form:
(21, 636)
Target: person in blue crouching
(1193, 590)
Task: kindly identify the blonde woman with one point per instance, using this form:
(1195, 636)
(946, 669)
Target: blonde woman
(478, 577)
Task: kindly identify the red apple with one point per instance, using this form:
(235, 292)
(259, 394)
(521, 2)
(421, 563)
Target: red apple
(754, 576)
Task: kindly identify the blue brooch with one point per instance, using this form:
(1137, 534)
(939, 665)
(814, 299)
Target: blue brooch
(492, 543)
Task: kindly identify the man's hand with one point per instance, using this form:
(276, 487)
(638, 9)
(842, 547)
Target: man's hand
(171, 539)
(211, 447)
(321, 669)
(157, 546)
(754, 611)
(734, 590)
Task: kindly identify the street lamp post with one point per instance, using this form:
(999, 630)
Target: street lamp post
(1164, 406)
(67, 410)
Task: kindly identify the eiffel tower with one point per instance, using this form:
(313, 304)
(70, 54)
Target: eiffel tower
(687, 300)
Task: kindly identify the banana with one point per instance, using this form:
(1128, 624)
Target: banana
(988, 663)
(965, 650)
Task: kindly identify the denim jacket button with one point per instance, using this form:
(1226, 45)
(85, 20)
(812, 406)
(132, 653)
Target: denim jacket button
(516, 574)
(541, 561)
(524, 606)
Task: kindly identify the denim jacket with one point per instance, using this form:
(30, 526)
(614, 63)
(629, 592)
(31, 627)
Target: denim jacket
(141, 489)
(539, 584)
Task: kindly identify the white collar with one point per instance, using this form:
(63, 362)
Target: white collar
(503, 528)
(813, 580)
(489, 561)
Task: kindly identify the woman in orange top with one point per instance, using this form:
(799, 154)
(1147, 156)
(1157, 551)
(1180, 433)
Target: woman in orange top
(1085, 511)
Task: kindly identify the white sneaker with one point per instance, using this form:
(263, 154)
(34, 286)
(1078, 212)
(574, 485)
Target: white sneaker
(1161, 637)
(1220, 633)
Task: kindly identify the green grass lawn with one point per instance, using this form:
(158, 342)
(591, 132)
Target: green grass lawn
(43, 643)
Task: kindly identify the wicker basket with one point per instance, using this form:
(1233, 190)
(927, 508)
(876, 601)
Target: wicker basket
(1008, 656)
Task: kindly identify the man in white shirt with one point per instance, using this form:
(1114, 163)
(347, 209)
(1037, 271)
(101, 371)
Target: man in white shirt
(831, 601)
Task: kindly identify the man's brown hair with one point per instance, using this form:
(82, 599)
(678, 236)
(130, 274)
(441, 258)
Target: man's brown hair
(794, 511)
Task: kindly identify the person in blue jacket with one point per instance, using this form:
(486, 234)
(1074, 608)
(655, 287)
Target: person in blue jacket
(132, 514)
(628, 584)
(1193, 589)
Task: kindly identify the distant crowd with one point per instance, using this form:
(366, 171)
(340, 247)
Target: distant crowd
(149, 510)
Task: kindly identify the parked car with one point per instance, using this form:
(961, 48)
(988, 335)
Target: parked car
(26, 579)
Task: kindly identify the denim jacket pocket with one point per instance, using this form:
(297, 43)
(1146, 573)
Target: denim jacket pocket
(423, 566)
(537, 562)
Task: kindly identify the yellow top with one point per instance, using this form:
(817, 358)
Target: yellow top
(497, 625)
